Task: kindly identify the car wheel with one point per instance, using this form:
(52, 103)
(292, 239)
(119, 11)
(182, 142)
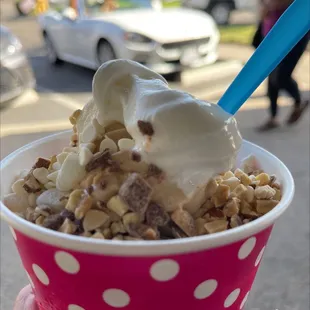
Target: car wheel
(52, 55)
(220, 12)
(174, 76)
(105, 52)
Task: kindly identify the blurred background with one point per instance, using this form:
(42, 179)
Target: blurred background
(49, 51)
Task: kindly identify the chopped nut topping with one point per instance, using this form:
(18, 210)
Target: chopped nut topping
(264, 206)
(118, 196)
(216, 226)
(185, 221)
(231, 208)
(221, 195)
(235, 221)
(263, 178)
(211, 188)
(75, 116)
(264, 192)
(116, 205)
(94, 219)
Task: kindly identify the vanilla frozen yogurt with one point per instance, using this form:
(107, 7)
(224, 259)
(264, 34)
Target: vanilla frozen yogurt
(190, 139)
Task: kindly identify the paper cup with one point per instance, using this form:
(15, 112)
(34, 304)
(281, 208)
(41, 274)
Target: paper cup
(209, 272)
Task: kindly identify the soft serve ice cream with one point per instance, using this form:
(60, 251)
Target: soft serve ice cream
(145, 162)
(191, 140)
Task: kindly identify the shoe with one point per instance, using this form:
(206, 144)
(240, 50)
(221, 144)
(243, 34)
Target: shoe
(269, 125)
(297, 113)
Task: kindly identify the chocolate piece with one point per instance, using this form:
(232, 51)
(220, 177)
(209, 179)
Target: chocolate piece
(115, 167)
(102, 160)
(31, 185)
(136, 156)
(42, 163)
(53, 222)
(136, 192)
(154, 171)
(68, 214)
(155, 215)
(79, 225)
(145, 128)
(89, 190)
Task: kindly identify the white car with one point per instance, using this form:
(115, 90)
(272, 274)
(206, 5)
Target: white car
(166, 40)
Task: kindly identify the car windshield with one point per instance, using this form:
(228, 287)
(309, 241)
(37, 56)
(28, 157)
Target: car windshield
(94, 7)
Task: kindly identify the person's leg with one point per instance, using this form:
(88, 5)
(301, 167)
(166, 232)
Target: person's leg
(286, 81)
(273, 94)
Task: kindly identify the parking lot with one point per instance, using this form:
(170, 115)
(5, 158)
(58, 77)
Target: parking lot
(283, 280)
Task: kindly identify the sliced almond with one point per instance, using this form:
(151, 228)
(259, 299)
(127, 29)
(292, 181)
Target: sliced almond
(94, 219)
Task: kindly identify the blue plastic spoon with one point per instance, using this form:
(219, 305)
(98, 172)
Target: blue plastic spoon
(287, 32)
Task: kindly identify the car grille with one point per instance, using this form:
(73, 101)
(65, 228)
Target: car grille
(180, 45)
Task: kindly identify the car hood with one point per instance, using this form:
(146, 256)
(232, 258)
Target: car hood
(168, 25)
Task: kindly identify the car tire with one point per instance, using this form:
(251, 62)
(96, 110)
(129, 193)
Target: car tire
(220, 12)
(52, 55)
(174, 77)
(105, 52)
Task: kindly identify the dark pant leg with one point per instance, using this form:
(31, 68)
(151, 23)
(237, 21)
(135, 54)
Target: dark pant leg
(286, 68)
(273, 92)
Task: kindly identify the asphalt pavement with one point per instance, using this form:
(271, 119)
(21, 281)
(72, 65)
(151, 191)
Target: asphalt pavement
(283, 279)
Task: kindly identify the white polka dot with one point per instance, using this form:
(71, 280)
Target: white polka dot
(246, 248)
(30, 280)
(164, 270)
(116, 298)
(40, 273)
(205, 289)
(259, 257)
(75, 307)
(244, 300)
(67, 262)
(232, 297)
(13, 233)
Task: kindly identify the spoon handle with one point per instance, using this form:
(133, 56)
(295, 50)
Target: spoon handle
(287, 32)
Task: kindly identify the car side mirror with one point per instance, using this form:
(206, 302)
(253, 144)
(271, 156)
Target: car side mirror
(69, 13)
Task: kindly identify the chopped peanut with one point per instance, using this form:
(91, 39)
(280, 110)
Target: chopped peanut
(264, 192)
(221, 195)
(263, 179)
(216, 226)
(264, 206)
(117, 205)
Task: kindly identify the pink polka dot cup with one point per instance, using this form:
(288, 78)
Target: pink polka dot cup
(73, 273)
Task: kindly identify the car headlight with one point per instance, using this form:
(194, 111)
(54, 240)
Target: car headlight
(137, 38)
(9, 43)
